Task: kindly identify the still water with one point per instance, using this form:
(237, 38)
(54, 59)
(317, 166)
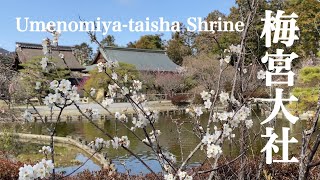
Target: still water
(169, 139)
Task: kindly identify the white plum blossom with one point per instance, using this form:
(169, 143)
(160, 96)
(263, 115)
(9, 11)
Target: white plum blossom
(64, 93)
(209, 138)
(26, 173)
(123, 141)
(169, 177)
(213, 151)
(138, 98)
(224, 97)
(261, 74)
(44, 63)
(64, 86)
(27, 116)
(234, 122)
(234, 101)
(114, 76)
(249, 123)
(74, 88)
(52, 98)
(74, 96)
(99, 143)
(154, 115)
(38, 85)
(140, 122)
(39, 170)
(198, 111)
(112, 64)
(60, 100)
(153, 136)
(100, 66)
(170, 156)
(226, 130)
(122, 118)
(243, 113)
(212, 92)
(45, 44)
(56, 36)
(125, 78)
(113, 89)
(223, 116)
(227, 59)
(205, 95)
(61, 55)
(92, 91)
(107, 102)
(124, 91)
(54, 84)
(183, 175)
(117, 115)
(46, 102)
(235, 49)
(244, 71)
(115, 142)
(95, 113)
(45, 150)
(207, 104)
(137, 85)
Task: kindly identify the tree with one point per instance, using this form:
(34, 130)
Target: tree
(131, 45)
(109, 41)
(169, 83)
(204, 69)
(307, 90)
(308, 23)
(180, 45)
(83, 53)
(100, 80)
(31, 73)
(6, 75)
(147, 42)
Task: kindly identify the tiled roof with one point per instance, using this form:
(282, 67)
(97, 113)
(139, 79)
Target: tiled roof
(143, 59)
(27, 51)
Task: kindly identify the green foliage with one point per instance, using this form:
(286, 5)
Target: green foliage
(32, 73)
(180, 45)
(6, 60)
(83, 53)
(9, 142)
(307, 90)
(147, 42)
(99, 80)
(308, 23)
(108, 41)
(310, 75)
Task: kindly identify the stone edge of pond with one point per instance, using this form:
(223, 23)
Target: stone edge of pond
(63, 140)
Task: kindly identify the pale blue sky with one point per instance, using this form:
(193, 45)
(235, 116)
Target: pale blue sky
(114, 10)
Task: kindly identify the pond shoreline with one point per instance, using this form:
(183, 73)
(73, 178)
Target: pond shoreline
(98, 157)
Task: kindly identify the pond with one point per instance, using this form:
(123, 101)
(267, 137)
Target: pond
(169, 138)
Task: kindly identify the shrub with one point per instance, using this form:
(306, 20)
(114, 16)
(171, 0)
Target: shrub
(180, 100)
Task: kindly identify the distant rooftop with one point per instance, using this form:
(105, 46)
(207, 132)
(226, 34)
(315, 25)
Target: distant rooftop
(143, 59)
(27, 51)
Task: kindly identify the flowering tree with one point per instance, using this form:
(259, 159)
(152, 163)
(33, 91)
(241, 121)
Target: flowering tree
(219, 129)
(7, 75)
(213, 134)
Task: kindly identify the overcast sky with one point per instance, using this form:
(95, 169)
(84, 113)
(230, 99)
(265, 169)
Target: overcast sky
(108, 10)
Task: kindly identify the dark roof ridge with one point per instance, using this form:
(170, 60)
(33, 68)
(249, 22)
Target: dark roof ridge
(135, 49)
(39, 46)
